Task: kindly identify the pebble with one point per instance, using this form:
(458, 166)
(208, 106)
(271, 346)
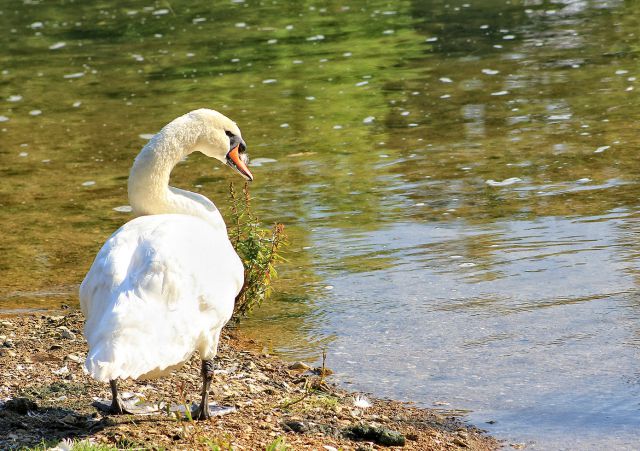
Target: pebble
(299, 366)
(73, 358)
(66, 333)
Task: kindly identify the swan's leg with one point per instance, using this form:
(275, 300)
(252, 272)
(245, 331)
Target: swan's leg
(117, 405)
(202, 413)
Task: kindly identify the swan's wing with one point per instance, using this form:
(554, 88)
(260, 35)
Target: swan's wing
(164, 284)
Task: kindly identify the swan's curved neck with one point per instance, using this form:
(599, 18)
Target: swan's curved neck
(149, 190)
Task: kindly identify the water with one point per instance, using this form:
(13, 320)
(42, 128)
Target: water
(459, 180)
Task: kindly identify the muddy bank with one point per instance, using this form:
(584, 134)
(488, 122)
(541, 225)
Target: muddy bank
(45, 395)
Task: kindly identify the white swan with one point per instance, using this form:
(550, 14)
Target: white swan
(164, 284)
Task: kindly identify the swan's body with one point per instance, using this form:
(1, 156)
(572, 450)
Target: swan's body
(164, 284)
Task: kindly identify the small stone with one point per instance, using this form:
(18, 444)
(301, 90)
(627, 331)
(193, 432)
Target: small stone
(301, 366)
(73, 358)
(66, 333)
(460, 442)
(296, 426)
(8, 343)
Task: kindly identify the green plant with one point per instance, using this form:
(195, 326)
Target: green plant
(218, 443)
(258, 248)
(279, 444)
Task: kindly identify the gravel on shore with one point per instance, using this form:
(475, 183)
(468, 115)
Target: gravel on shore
(45, 397)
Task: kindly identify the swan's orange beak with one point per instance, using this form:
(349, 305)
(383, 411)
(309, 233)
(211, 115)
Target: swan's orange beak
(235, 161)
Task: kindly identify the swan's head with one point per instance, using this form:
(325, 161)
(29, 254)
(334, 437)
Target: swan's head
(221, 139)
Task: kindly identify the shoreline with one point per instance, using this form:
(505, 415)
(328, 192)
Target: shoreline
(276, 402)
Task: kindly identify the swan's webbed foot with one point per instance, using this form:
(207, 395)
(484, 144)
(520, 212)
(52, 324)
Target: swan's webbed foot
(117, 404)
(202, 412)
(118, 407)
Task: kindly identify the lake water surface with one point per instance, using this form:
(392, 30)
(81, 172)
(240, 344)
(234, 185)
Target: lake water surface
(460, 182)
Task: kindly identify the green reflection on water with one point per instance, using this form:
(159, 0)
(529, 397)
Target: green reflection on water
(376, 112)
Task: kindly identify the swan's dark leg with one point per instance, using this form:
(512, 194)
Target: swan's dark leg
(202, 413)
(117, 405)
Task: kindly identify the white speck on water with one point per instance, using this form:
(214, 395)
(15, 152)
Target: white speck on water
(630, 88)
(272, 41)
(420, 204)
(484, 27)
(445, 96)
(4, 118)
(199, 19)
(505, 182)
(46, 161)
(622, 72)
(88, 183)
(14, 98)
(260, 161)
(37, 25)
(285, 125)
(235, 60)
(413, 124)
(297, 62)
(500, 93)
(23, 154)
(157, 35)
(317, 37)
(560, 117)
(328, 287)
(160, 12)
(508, 37)
(362, 83)
(74, 75)
(455, 257)
(269, 81)
(388, 32)
(467, 265)
(446, 80)
(337, 127)
(190, 55)
(583, 180)
(368, 119)
(310, 98)
(304, 248)
(324, 60)
(383, 155)
(241, 25)
(77, 103)
(57, 45)
(146, 136)
(405, 113)
(631, 79)
(497, 46)
(35, 112)
(490, 71)
(601, 149)
(137, 57)
(123, 209)
(432, 39)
